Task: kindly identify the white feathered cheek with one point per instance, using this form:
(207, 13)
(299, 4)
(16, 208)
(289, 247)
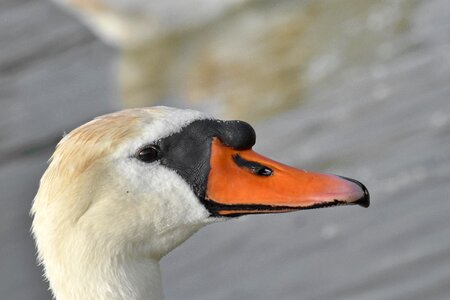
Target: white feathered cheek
(158, 195)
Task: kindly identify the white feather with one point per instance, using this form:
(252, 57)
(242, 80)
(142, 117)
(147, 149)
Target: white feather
(103, 219)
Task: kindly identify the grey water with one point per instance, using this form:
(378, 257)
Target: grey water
(385, 122)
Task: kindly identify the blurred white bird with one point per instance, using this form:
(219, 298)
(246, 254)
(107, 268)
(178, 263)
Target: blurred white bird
(131, 22)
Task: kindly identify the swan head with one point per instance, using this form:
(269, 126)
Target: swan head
(137, 183)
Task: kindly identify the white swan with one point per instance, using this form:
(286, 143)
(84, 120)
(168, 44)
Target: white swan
(123, 190)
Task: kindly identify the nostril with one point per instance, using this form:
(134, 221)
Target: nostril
(253, 166)
(264, 171)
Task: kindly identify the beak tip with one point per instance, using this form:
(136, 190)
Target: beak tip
(364, 201)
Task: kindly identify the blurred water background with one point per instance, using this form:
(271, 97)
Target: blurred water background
(358, 88)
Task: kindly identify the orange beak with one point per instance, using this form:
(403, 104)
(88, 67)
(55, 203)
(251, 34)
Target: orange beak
(244, 182)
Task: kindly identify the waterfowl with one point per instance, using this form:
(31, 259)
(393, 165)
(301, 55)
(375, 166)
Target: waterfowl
(124, 189)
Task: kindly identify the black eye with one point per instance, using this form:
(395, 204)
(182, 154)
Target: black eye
(148, 153)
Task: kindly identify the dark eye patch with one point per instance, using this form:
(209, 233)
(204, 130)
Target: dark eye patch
(188, 152)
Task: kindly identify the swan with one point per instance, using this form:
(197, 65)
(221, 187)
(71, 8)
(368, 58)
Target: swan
(124, 189)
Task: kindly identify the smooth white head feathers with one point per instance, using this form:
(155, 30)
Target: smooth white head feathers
(99, 209)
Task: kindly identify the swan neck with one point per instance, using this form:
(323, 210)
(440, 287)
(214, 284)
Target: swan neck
(133, 279)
